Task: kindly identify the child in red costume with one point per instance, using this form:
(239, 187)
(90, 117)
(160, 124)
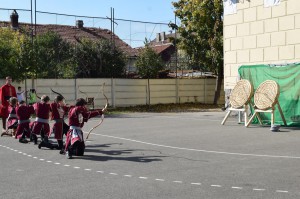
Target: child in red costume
(23, 113)
(41, 124)
(77, 116)
(58, 109)
(12, 120)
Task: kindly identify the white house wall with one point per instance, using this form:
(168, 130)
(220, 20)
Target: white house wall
(260, 35)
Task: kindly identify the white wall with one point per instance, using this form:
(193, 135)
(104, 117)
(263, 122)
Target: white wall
(256, 34)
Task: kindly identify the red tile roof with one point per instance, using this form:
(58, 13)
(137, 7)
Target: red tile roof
(73, 34)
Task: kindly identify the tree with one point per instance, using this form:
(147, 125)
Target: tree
(201, 33)
(149, 63)
(99, 59)
(53, 56)
(10, 47)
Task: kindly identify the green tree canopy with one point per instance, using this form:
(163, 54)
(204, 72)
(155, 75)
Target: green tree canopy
(53, 56)
(99, 59)
(149, 63)
(10, 47)
(201, 33)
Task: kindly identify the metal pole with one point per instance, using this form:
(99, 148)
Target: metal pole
(175, 45)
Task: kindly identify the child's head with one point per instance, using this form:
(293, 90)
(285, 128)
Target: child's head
(22, 102)
(45, 99)
(19, 88)
(13, 101)
(59, 98)
(80, 102)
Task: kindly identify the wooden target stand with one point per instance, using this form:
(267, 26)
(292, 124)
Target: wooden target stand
(240, 99)
(265, 100)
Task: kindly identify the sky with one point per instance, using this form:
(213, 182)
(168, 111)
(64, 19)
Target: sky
(133, 33)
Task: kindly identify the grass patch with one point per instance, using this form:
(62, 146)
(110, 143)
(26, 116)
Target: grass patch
(161, 108)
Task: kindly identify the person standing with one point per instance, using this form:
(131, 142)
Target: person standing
(20, 94)
(6, 92)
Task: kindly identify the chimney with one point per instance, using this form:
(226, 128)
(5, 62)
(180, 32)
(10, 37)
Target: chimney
(163, 36)
(157, 37)
(14, 19)
(79, 24)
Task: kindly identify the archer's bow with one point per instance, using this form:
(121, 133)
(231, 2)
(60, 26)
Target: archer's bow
(102, 116)
(57, 93)
(83, 93)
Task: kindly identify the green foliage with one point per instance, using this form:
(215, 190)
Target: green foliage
(49, 56)
(149, 63)
(53, 56)
(99, 59)
(10, 47)
(201, 31)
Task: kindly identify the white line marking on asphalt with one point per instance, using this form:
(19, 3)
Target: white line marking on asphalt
(141, 177)
(196, 183)
(259, 189)
(202, 150)
(237, 187)
(42, 159)
(281, 191)
(177, 181)
(215, 185)
(157, 179)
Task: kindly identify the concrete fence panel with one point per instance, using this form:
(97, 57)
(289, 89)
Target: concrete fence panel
(127, 92)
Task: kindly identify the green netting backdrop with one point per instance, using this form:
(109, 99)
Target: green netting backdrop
(288, 78)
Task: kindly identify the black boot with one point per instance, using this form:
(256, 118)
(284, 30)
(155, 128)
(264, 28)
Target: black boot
(45, 143)
(60, 146)
(41, 144)
(34, 138)
(23, 140)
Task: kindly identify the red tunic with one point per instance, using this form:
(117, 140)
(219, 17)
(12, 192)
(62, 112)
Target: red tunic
(58, 113)
(42, 111)
(6, 91)
(12, 119)
(77, 116)
(23, 113)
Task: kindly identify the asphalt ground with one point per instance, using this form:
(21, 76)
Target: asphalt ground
(153, 156)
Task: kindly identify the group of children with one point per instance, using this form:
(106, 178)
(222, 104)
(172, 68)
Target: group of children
(21, 127)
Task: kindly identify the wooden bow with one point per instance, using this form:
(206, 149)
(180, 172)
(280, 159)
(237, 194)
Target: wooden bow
(102, 116)
(57, 93)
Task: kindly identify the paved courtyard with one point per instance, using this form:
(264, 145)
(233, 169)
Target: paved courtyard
(167, 155)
